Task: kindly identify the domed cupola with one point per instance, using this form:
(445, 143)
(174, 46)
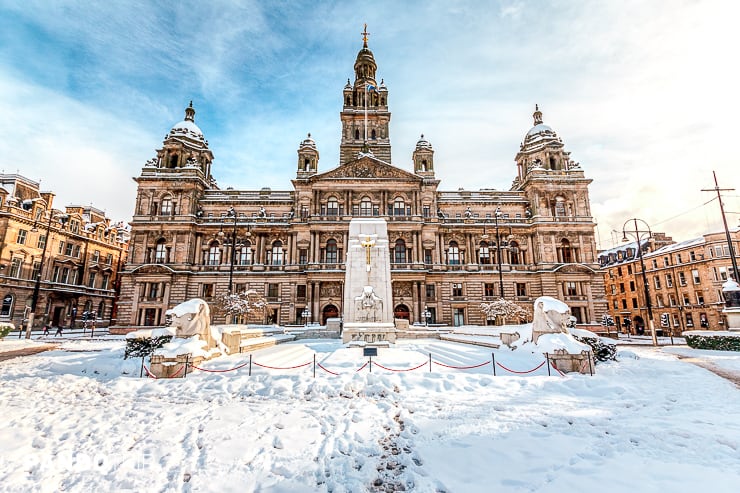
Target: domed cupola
(424, 158)
(308, 158)
(365, 65)
(542, 149)
(187, 128)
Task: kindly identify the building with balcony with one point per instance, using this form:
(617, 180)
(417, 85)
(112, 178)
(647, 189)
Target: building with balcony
(71, 258)
(684, 283)
(450, 250)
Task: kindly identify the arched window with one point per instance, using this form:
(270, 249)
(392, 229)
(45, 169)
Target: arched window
(373, 135)
(166, 207)
(357, 134)
(559, 209)
(101, 309)
(160, 251)
(424, 165)
(332, 207)
(245, 254)
(331, 255)
(366, 207)
(453, 254)
(306, 164)
(566, 252)
(7, 308)
(399, 252)
(173, 161)
(399, 207)
(515, 253)
(213, 256)
(484, 253)
(348, 100)
(275, 256)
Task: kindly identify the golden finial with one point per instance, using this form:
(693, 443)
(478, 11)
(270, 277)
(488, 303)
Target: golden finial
(365, 34)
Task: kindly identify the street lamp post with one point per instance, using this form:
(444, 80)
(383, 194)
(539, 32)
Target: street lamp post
(426, 315)
(37, 283)
(639, 235)
(232, 213)
(306, 314)
(498, 255)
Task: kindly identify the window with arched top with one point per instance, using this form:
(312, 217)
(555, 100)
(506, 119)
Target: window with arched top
(173, 161)
(244, 254)
(276, 254)
(366, 207)
(399, 207)
(166, 206)
(213, 255)
(357, 134)
(101, 310)
(160, 251)
(566, 252)
(515, 253)
(484, 253)
(7, 308)
(453, 254)
(306, 164)
(373, 135)
(331, 252)
(349, 101)
(400, 252)
(332, 207)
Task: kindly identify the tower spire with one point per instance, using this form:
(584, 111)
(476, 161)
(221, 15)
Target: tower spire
(365, 34)
(537, 115)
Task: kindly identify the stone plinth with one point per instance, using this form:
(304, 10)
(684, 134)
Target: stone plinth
(369, 332)
(569, 363)
(166, 367)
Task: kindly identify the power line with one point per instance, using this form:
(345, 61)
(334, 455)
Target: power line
(685, 212)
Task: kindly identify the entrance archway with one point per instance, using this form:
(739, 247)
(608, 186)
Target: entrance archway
(639, 325)
(329, 311)
(402, 311)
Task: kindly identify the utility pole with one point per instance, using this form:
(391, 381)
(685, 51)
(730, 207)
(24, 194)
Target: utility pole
(724, 221)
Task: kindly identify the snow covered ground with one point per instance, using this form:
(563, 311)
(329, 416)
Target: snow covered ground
(79, 418)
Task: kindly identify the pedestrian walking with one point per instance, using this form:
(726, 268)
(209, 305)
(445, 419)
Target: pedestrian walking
(59, 331)
(46, 329)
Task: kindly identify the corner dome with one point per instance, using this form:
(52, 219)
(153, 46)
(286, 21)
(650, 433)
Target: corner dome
(539, 132)
(308, 142)
(187, 128)
(423, 144)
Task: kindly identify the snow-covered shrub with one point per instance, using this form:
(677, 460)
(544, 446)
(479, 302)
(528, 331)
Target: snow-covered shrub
(143, 342)
(603, 351)
(5, 328)
(712, 340)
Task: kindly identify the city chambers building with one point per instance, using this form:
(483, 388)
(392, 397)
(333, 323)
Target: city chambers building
(450, 250)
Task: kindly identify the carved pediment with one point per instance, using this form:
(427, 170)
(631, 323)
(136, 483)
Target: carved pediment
(153, 269)
(367, 167)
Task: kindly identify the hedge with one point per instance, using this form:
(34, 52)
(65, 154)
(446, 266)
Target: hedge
(717, 343)
(144, 346)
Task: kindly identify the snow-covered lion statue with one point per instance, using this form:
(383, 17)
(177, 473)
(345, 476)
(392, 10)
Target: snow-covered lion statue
(551, 316)
(193, 317)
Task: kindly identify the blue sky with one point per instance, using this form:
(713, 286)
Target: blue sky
(642, 93)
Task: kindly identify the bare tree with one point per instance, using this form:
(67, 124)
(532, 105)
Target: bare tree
(247, 306)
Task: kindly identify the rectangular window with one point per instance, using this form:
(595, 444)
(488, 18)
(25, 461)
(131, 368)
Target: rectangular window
(614, 289)
(686, 300)
(699, 298)
(671, 300)
(669, 280)
(632, 285)
(42, 241)
(109, 259)
(55, 274)
(692, 256)
(61, 247)
(682, 278)
(571, 288)
(619, 271)
(457, 289)
(15, 267)
(65, 276)
(69, 249)
(656, 280)
(624, 304)
(22, 234)
(488, 289)
(689, 320)
(427, 256)
(675, 320)
(207, 290)
(666, 261)
(723, 273)
(717, 251)
(521, 289)
(426, 211)
(655, 263)
(96, 256)
(91, 280)
(695, 275)
(300, 291)
(272, 291)
(36, 270)
(303, 256)
(621, 287)
(430, 295)
(659, 301)
(678, 258)
(629, 269)
(634, 302)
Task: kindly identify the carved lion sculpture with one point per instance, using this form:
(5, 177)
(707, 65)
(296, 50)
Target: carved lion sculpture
(550, 316)
(193, 317)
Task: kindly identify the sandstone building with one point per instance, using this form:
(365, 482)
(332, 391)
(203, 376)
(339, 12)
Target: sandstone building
(450, 250)
(684, 283)
(72, 256)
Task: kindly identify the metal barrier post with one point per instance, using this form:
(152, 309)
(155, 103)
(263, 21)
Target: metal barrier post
(250, 364)
(371, 364)
(187, 361)
(430, 362)
(314, 365)
(141, 371)
(493, 361)
(547, 357)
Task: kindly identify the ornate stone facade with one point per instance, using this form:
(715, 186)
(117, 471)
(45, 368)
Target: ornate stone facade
(450, 250)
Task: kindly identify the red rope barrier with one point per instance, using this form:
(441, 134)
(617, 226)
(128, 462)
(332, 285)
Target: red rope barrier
(461, 367)
(327, 371)
(283, 368)
(521, 372)
(363, 366)
(557, 369)
(178, 371)
(219, 371)
(405, 369)
(148, 373)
